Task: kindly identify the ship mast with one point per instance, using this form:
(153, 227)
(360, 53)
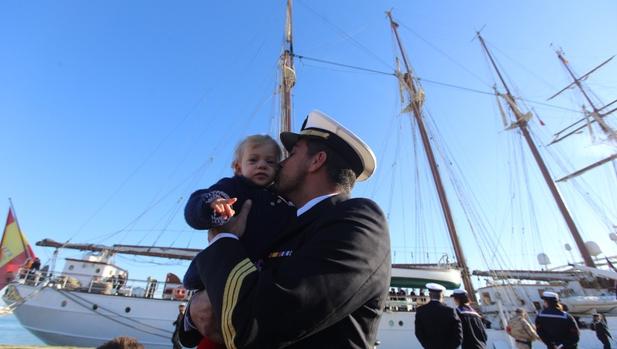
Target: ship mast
(597, 115)
(288, 74)
(521, 123)
(416, 93)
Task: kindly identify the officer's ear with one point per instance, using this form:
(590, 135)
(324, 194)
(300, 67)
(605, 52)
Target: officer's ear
(317, 161)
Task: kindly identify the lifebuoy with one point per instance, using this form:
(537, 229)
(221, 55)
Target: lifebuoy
(179, 293)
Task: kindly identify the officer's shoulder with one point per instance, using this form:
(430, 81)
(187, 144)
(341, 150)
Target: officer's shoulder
(433, 305)
(423, 308)
(359, 205)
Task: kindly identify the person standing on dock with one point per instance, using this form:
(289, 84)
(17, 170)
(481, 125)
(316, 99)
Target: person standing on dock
(437, 325)
(175, 338)
(601, 330)
(474, 334)
(521, 330)
(556, 328)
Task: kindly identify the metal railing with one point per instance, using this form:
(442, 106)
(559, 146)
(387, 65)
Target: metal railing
(150, 288)
(405, 302)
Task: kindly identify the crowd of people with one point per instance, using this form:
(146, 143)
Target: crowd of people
(464, 327)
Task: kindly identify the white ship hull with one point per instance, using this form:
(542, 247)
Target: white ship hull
(150, 320)
(78, 324)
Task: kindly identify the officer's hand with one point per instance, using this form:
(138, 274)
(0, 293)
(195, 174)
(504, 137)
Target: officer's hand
(236, 225)
(203, 317)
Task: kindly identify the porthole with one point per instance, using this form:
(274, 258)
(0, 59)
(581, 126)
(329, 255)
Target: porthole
(391, 323)
(63, 304)
(400, 323)
(127, 309)
(71, 267)
(98, 270)
(95, 307)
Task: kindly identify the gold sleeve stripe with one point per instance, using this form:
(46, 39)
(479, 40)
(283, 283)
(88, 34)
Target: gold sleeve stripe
(234, 300)
(226, 295)
(230, 298)
(231, 293)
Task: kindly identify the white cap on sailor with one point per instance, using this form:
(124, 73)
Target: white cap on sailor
(434, 287)
(350, 147)
(459, 292)
(550, 295)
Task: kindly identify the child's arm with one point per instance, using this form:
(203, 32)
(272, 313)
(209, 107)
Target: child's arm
(201, 211)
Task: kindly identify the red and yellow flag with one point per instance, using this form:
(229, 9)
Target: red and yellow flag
(14, 250)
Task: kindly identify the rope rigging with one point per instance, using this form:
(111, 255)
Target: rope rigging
(476, 220)
(429, 81)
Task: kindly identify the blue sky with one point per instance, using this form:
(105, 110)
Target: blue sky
(114, 112)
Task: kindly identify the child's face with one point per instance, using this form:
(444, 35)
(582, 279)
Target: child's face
(258, 163)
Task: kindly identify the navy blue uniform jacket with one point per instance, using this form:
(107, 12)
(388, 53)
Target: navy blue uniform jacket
(474, 334)
(438, 326)
(557, 327)
(324, 284)
(269, 216)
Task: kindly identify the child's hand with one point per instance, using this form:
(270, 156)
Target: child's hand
(222, 207)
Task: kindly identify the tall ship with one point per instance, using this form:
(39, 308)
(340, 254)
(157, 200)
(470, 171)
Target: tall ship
(59, 305)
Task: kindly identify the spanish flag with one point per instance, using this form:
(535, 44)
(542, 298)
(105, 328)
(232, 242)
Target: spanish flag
(14, 250)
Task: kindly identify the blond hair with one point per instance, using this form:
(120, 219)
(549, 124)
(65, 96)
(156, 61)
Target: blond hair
(254, 140)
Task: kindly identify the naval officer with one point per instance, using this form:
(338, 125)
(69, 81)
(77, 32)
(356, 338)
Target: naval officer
(556, 328)
(325, 282)
(474, 334)
(437, 325)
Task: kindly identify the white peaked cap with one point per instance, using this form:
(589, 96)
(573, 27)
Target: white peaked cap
(433, 287)
(550, 295)
(350, 147)
(459, 292)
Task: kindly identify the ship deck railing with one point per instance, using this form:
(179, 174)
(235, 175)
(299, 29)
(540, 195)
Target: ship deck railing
(405, 303)
(149, 288)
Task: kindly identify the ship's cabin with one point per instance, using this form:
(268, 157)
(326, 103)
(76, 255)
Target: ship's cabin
(96, 273)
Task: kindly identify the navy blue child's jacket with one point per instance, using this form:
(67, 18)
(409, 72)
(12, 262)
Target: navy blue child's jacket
(269, 215)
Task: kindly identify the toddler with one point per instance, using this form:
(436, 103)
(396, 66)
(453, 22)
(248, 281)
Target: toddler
(255, 166)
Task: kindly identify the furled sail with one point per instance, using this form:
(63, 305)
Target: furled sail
(15, 250)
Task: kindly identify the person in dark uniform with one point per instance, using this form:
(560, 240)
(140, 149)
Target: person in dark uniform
(175, 338)
(437, 325)
(601, 331)
(325, 282)
(474, 334)
(556, 328)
